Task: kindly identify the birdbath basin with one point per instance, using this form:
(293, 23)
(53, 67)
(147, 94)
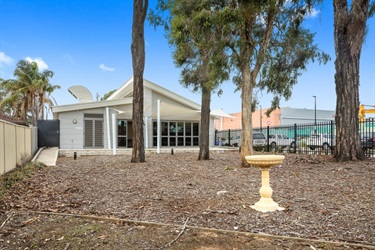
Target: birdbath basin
(265, 162)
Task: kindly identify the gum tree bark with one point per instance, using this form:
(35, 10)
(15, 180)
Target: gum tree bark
(349, 32)
(138, 60)
(204, 137)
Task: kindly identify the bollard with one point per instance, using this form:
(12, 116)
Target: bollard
(172, 151)
(75, 155)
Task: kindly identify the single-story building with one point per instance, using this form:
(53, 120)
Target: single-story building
(170, 120)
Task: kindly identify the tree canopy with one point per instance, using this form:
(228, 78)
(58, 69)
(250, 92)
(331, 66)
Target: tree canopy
(195, 33)
(265, 44)
(25, 96)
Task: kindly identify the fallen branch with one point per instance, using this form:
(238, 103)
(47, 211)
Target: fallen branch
(8, 218)
(222, 231)
(178, 236)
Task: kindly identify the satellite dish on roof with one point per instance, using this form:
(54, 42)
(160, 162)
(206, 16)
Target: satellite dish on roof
(81, 93)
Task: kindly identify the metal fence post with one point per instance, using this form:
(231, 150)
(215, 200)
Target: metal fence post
(216, 142)
(332, 137)
(295, 137)
(229, 137)
(268, 138)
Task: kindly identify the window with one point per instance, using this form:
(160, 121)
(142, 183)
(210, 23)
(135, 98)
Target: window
(121, 133)
(177, 133)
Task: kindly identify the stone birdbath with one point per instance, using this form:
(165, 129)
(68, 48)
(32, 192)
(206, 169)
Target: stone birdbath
(265, 162)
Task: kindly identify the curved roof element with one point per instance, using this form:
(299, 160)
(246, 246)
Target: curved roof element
(81, 93)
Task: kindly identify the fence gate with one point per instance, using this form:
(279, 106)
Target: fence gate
(48, 133)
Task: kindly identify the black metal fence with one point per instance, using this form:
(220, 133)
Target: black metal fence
(319, 138)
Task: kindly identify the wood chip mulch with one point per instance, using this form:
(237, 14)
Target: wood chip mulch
(322, 199)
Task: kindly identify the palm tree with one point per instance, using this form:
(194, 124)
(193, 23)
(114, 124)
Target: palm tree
(27, 74)
(44, 89)
(25, 96)
(14, 102)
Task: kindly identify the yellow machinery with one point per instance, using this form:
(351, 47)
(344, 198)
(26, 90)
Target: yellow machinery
(363, 111)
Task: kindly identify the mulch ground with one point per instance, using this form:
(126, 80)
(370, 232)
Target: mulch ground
(323, 200)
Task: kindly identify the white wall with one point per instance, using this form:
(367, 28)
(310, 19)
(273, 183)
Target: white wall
(71, 135)
(148, 108)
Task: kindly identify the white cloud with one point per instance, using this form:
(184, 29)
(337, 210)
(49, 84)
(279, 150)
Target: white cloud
(105, 68)
(312, 13)
(41, 64)
(4, 59)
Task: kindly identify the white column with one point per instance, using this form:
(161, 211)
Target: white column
(158, 127)
(145, 121)
(114, 139)
(108, 128)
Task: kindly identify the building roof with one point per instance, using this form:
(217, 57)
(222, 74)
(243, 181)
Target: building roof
(91, 105)
(126, 90)
(124, 95)
(177, 105)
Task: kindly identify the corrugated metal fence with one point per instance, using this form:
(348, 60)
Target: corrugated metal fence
(16, 144)
(309, 138)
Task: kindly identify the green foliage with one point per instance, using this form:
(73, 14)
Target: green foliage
(263, 43)
(26, 95)
(288, 59)
(270, 35)
(108, 94)
(195, 34)
(371, 9)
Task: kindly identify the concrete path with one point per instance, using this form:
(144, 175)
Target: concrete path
(47, 156)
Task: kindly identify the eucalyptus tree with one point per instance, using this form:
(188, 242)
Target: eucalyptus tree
(198, 49)
(138, 61)
(349, 33)
(270, 49)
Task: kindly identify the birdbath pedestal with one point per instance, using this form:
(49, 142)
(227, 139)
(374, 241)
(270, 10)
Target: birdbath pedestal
(265, 162)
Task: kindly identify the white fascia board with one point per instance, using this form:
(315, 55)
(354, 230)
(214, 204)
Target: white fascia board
(118, 93)
(91, 105)
(127, 88)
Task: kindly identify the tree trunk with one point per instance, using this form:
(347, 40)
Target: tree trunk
(247, 98)
(41, 106)
(34, 110)
(204, 135)
(138, 60)
(349, 33)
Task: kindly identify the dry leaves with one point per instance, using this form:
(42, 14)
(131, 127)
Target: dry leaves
(322, 199)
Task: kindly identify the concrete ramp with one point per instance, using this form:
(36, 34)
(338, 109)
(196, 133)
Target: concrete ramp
(47, 156)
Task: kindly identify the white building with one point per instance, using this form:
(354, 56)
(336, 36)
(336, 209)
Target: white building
(108, 124)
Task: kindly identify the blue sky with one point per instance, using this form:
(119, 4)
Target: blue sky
(87, 42)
